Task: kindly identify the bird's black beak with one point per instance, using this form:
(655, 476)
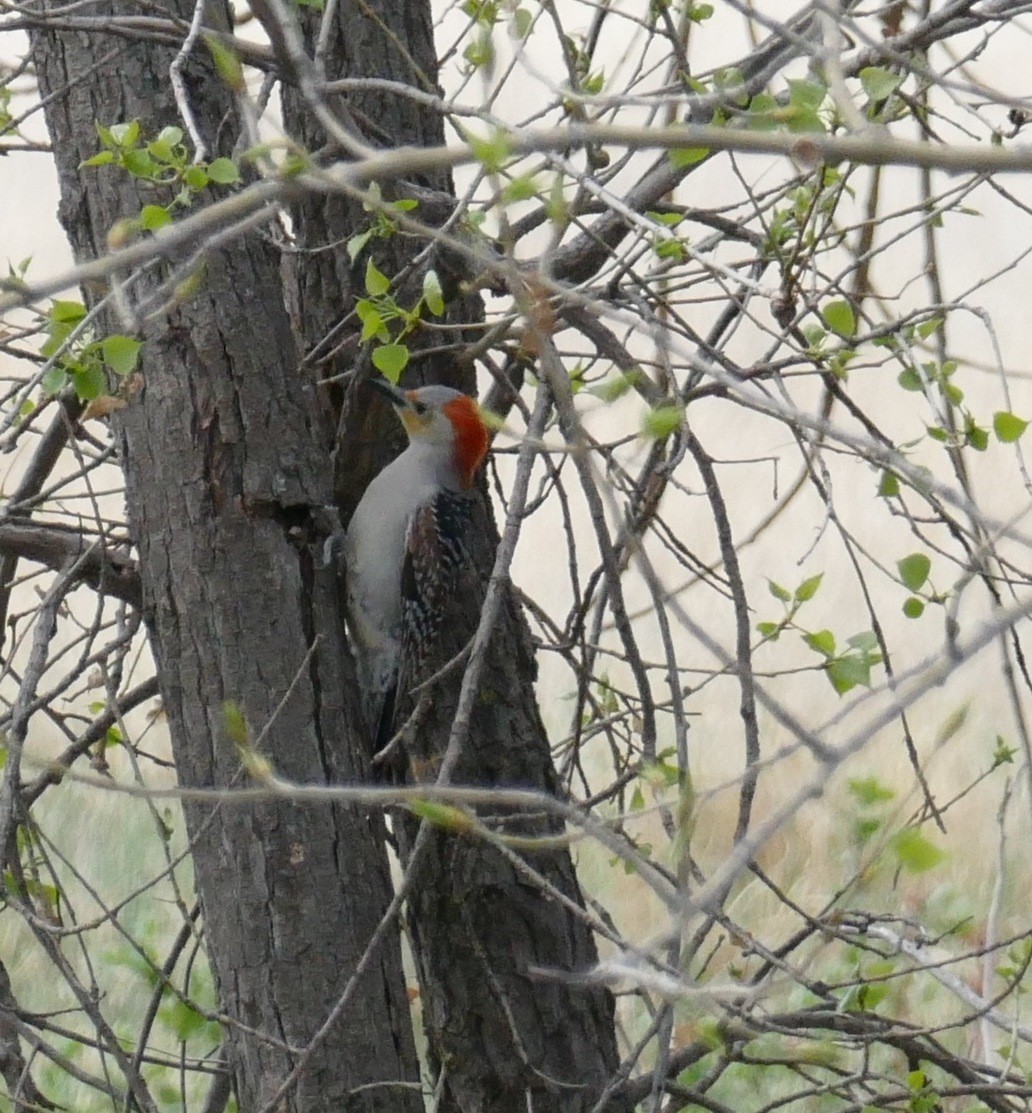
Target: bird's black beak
(398, 397)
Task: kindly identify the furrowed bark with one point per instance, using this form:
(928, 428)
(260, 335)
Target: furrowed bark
(225, 462)
(479, 926)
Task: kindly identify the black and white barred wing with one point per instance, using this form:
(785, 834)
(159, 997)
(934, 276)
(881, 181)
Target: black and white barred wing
(436, 555)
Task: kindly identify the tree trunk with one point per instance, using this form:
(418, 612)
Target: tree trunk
(478, 925)
(495, 949)
(225, 462)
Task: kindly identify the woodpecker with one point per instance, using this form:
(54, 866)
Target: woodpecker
(404, 546)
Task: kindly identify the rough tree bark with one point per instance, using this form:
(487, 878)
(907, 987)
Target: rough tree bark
(478, 925)
(224, 461)
(493, 947)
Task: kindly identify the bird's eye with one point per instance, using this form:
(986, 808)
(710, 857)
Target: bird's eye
(419, 407)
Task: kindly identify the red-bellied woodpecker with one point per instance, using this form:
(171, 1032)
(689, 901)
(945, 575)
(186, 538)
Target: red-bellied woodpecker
(404, 546)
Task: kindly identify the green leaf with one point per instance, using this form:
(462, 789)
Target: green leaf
(888, 486)
(296, 162)
(376, 282)
(1003, 754)
(806, 94)
(839, 317)
(823, 641)
(909, 379)
(480, 52)
(90, 381)
(730, 81)
(839, 363)
(432, 293)
(913, 570)
(68, 312)
(670, 249)
(609, 390)
(235, 724)
(521, 189)
(779, 592)
(196, 178)
(55, 380)
(121, 353)
(845, 673)
(372, 321)
(522, 20)
(58, 334)
(763, 113)
(358, 242)
(768, 629)
(661, 421)
(492, 152)
(953, 722)
(442, 815)
(869, 996)
(556, 208)
(594, 83)
(669, 220)
(681, 157)
(864, 828)
(913, 607)
(866, 641)
(869, 791)
(814, 335)
(808, 588)
(914, 852)
(977, 437)
(224, 171)
(124, 135)
(227, 64)
(879, 83)
(803, 118)
(102, 158)
(153, 217)
(1008, 427)
(163, 152)
(183, 1020)
(172, 136)
(390, 360)
(139, 163)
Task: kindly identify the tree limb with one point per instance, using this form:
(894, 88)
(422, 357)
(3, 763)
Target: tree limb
(107, 571)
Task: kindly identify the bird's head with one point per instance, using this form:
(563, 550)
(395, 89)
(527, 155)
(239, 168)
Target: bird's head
(438, 415)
